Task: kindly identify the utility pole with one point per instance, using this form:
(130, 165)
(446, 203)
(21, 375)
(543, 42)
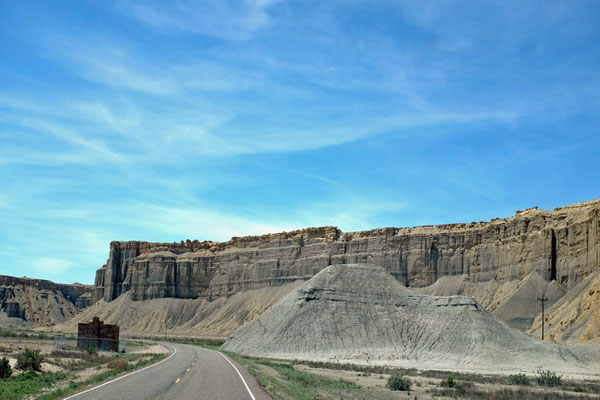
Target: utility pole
(543, 299)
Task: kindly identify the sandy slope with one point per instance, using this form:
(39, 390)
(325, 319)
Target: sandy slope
(360, 313)
(514, 302)
(576, 316)
(196, 317)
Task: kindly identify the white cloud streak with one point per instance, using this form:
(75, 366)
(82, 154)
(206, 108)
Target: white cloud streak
(229, 20)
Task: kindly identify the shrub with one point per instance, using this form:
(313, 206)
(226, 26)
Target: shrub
(118, 364)
(92, 351)
(548, 378)
(519, 379)
(5, 369)
(398, 382)
(448, 382)
(30, 359)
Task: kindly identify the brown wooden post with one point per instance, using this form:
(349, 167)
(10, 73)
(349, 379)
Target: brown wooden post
(543, 299)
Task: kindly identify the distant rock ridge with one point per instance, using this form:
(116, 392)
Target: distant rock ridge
(38, 302)
(561, 245)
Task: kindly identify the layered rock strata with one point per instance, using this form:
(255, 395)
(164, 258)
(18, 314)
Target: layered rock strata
(25, 301)
(561, 245)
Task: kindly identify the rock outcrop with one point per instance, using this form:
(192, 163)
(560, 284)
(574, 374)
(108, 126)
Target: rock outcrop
(563, 245)
(26, 302)
(557, 250)
(356, 312)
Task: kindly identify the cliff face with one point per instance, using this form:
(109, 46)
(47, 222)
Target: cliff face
(561, 245)
(39, 302)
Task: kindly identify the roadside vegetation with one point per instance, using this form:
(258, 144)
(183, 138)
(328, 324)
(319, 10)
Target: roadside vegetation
(317, 380)
(39, 372)
(5, 368)
(209, 343)
(304, 380)
(283, 381)
(519, 379)
(398, 381)
(30, 360)
(24, 334)
(114, 367)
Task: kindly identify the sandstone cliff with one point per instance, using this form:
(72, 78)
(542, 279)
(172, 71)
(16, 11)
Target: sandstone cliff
(26, 302)
(561, 246)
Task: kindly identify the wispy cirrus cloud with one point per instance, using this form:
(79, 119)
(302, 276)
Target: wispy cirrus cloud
(230, 20)
(211, 106)
(174, 120)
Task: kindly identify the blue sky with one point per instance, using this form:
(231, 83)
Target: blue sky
(163, 121)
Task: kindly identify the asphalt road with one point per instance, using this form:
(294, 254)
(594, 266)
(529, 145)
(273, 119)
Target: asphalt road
(188, 372)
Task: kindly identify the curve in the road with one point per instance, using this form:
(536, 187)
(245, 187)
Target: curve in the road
(124, 376)
(188, 373)
(241, 377)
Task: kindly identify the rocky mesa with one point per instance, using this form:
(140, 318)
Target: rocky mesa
(502, 263)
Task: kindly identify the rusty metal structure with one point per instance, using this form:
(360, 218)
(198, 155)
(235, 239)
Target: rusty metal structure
(98, 335)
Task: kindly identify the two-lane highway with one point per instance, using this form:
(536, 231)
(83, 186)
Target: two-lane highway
(188, 372)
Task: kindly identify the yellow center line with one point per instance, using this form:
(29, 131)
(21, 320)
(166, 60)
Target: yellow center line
(193, 363)
(187, 370)
(178, 379)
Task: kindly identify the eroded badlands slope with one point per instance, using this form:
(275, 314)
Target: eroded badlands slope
(358, 312)
(37, 302)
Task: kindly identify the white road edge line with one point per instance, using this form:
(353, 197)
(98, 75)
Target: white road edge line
(241, 377)
(124, 376)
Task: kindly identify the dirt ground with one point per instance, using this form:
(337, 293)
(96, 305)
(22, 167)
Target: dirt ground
(65, 361)
(425, 388)
(10, 348)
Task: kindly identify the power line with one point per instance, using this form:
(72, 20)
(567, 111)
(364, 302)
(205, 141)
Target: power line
(543, 299)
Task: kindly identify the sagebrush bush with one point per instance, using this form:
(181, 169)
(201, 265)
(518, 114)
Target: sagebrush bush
(30, 359)
(118, 364)
(5, 369)
(519, 379)
(448, 382)
(548, 378)
(398, 381)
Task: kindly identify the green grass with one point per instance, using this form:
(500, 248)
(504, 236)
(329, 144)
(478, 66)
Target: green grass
(19, 386)
(208, 343)
(78, 360)
(24, 334)
(289, 382)
(76, 386)
(519, 379)
(204, 342)
(132, 343)
(30, 384)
